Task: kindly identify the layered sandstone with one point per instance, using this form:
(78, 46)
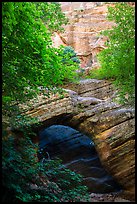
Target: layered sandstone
(45, 108)
(83, 33)
(89, 107)
(112, 127)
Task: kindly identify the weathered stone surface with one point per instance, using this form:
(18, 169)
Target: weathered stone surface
(79, 154)
(110, 125)
(86, 21)
(101, 89)
(45, 108)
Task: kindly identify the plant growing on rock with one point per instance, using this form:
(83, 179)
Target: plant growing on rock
(118, 60)
(69, 51)
(70, 58)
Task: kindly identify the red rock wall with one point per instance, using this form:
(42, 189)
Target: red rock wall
(86, 21)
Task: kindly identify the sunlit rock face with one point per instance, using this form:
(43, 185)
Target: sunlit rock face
(83, 33)
(79, 154)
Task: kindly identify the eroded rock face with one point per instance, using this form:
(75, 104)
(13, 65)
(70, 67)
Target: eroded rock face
(79, 154)
(86, 21)
(100, 89)
(44, 108)
(89, 108)
(112, 127)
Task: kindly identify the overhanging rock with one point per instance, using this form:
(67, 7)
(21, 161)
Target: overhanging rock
(89, 108)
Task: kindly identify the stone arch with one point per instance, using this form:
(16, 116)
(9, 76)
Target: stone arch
(111, 126)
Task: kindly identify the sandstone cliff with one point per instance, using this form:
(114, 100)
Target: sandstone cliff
(83, 33)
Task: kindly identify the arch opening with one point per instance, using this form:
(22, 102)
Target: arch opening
(78, 153)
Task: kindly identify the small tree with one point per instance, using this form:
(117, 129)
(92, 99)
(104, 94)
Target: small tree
(71, 54)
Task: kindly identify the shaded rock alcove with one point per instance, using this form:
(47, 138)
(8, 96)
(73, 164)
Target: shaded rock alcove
(78, 153)
(88, 107)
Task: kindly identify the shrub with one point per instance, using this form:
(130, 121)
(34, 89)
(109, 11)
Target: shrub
(71, 54)
(118, 60)
(38, 181)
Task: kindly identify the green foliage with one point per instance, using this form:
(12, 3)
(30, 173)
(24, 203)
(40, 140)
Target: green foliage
(71, 54)
(28, 57)
(52, 16)
(30, 180)
(118, 60)
(71, 62)
(29, 61)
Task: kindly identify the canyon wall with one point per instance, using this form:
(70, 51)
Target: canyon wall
(83, 33)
